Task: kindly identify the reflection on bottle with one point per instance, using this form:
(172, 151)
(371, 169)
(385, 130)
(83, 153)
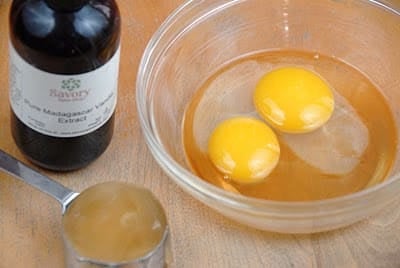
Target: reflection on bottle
(39, 17)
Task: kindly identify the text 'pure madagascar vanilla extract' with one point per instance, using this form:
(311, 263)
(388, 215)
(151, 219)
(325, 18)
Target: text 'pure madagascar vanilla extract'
(64, 58)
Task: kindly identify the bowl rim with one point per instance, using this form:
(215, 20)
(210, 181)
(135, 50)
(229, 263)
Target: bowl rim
(184, 177)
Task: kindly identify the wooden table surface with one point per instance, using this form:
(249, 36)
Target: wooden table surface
(30, 221)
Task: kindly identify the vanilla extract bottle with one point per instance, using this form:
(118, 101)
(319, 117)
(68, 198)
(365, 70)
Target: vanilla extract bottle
(64, 59)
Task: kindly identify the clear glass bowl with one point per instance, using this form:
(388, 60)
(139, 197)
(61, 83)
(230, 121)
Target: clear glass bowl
(200, 36)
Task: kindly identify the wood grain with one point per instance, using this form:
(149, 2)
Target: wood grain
(30, 221)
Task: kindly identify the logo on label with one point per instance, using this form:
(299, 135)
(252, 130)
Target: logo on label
(70, 90)
(70, 84)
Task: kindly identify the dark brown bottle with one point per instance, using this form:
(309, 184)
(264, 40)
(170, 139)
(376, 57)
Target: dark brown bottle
(64, 57)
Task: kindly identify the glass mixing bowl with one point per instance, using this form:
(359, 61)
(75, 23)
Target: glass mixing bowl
(200, 36)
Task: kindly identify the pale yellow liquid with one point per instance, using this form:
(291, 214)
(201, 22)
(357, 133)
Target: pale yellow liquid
(114, 222)
(295, 179)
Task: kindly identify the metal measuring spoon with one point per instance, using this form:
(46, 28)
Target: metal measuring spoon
(65, 196)
(41, 182)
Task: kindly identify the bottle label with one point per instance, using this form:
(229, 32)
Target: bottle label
(63, 105)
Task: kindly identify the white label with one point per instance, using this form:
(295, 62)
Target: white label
(63, 105)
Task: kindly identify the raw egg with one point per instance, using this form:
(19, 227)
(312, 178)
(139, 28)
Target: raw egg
(293, 100)
(244, 149)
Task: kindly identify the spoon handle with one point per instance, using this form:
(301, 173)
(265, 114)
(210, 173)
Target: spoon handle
(19, 170)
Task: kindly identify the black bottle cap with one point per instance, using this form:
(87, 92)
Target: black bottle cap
(66, 5)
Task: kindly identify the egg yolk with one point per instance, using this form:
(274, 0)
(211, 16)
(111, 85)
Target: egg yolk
(293, 100)
(243, 148)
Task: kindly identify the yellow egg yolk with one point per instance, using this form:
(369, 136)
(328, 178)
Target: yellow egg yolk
(244, 149)
(293, 100)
